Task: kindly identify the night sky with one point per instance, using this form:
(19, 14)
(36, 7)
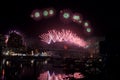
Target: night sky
(102, 15)
(16, 14)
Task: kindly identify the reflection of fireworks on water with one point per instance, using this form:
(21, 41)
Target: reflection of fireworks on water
(46, 76)
(62, 36)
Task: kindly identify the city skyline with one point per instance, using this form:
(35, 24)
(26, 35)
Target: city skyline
(20, 16)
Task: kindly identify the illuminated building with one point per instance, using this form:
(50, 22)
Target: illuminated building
(16, 42)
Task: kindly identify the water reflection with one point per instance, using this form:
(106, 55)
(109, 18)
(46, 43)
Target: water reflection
(47, 76)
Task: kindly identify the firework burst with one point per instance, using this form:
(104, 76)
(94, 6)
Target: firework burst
(62, 36)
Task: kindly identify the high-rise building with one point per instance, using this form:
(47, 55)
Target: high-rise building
(15, 42)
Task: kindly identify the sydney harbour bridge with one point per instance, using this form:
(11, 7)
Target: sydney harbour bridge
(61, 52)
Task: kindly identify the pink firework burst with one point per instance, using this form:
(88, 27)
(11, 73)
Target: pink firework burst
(62, 36)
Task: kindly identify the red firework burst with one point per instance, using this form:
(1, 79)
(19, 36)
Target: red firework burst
(62, 36)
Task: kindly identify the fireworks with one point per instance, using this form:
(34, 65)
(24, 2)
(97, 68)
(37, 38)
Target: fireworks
(65, 16)
(76, 17)
(47, 76)
(62, 36)
(36, 14)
